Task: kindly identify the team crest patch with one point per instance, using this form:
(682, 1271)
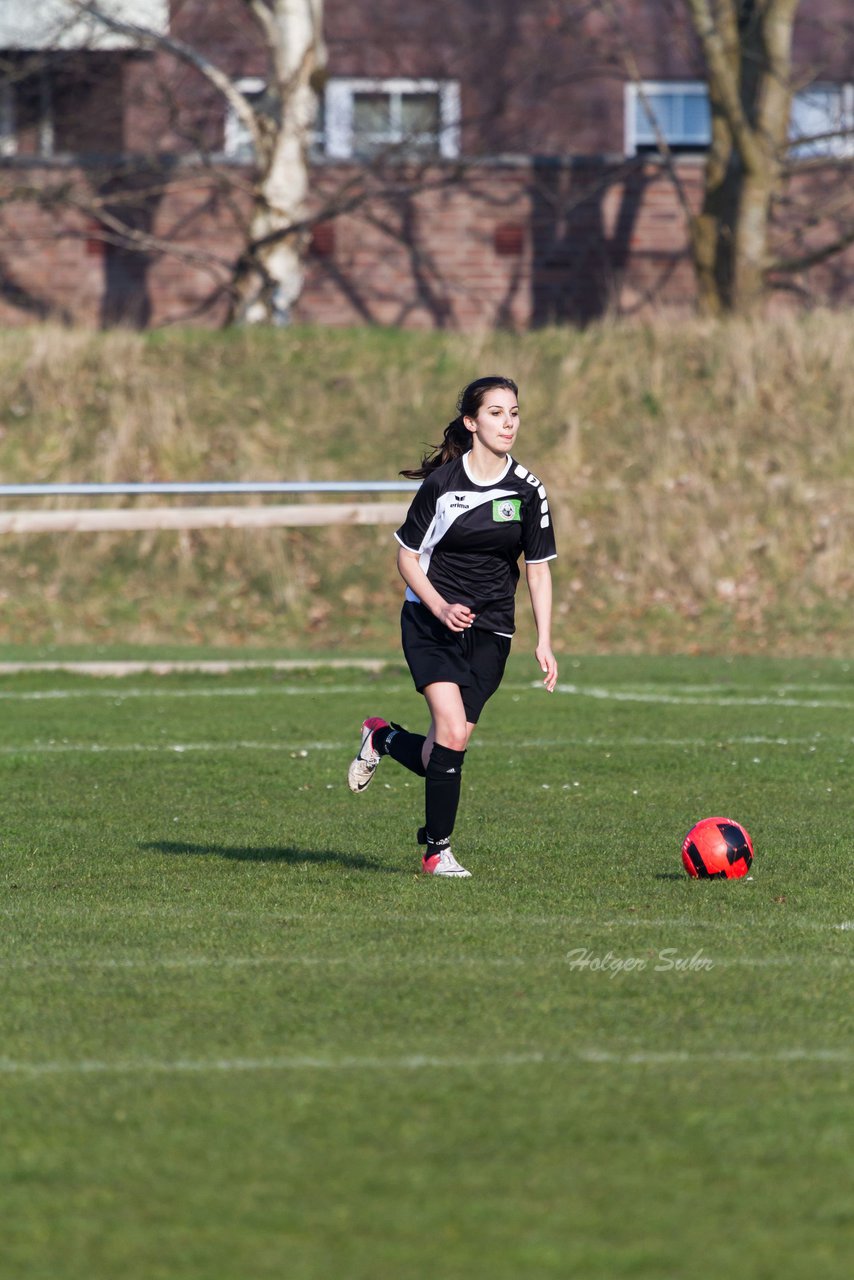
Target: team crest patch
(506, 509)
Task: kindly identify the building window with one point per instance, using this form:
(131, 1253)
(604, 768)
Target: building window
(679, 111)
(366, 118)
(71, 105)
(360, 119)
(8, 141)
(27, 115)
(822, 121)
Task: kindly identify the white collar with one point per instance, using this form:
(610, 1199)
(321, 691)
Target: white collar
(497, 479)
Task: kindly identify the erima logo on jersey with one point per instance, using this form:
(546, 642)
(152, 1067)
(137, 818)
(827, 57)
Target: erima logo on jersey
(506, 509)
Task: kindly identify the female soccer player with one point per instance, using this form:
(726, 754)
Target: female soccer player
(475, 513)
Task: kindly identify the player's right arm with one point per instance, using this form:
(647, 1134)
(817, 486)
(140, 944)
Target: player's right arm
(456, 617)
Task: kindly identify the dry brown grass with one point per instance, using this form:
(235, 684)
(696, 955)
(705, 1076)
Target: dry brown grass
(708, 473)
(702, 476)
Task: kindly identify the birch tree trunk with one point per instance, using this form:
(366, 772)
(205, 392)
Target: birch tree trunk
(269, 275)
(747, 48)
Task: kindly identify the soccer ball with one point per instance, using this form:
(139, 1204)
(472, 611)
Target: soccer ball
(717, 848)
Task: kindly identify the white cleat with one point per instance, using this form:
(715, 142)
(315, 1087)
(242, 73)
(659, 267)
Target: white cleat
(444, 864)
(363, 767)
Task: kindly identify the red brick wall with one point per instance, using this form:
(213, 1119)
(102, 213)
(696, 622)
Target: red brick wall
(514, 245)
(511, 245)
(43, 275)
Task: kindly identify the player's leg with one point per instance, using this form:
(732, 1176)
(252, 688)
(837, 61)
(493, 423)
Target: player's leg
(448, 738)
(431, 652)
(455, 711)
(430, 738)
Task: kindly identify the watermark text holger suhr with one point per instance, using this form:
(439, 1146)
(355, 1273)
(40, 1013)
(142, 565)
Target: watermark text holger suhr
(665, 961)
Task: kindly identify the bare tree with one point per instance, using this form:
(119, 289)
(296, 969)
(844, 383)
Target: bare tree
(765, 191)
(747, 49)
(754, 169)
(269, 274)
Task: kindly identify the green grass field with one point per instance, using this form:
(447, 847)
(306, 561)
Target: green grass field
(243, 1038)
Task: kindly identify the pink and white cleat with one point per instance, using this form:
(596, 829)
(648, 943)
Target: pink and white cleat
(443, 864)
(363, 767)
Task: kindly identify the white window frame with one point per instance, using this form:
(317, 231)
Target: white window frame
(840, 147)
(339, 141)
(634, 94)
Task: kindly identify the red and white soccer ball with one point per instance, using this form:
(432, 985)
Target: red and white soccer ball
(717, 848)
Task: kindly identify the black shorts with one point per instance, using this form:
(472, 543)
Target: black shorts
(473, 659)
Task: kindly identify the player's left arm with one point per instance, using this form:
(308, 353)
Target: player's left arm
(539, 579)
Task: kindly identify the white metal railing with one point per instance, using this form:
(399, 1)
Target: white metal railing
(113, 519)
(209, 486)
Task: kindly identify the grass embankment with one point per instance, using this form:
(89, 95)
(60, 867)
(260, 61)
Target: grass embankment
(701, 476)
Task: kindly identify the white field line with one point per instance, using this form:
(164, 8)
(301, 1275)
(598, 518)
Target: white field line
(168, 748)
(781, 689)
(118, 695)
(642, 1057)
(748, 739)
(609, 744)
(659, 698)
(416, 1061)
(223, 666)
(60, 965)
(215, 666)
(416, 917)
(147, 963)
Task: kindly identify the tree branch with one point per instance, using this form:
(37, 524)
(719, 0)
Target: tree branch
(791, 265)
(145, 38)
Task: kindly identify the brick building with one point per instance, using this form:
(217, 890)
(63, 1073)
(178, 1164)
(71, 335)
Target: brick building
(474, 165)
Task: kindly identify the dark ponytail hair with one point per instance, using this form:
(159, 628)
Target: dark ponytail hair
(457, 438)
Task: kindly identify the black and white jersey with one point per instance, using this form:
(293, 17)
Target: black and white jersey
(469, 537)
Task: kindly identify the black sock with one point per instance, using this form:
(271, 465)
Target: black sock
(442, 796)
(402, 746)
